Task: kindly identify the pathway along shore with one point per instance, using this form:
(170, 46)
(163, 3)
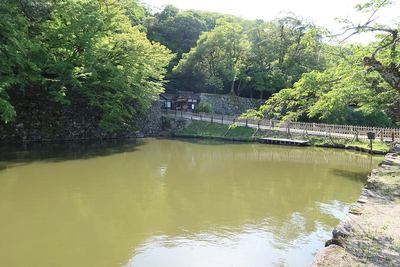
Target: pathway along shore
(369, 234)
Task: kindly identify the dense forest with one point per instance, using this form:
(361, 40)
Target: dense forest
(116, 55)
(224, 54)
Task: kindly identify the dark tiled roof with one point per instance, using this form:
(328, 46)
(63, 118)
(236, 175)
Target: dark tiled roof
(180, 95)
(189, 95)
(167, 96)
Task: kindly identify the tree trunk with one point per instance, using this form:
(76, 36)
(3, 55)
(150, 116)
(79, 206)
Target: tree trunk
(240, 87)
(232, 88)
(395, 110)
(389, 73)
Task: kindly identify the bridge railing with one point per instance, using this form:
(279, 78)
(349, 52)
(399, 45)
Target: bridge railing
(296, 128)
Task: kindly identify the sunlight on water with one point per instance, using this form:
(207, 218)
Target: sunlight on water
(172, 203)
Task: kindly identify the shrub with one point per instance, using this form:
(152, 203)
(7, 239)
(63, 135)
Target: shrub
(204, 107)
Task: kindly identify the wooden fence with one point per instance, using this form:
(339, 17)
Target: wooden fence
(297, 128)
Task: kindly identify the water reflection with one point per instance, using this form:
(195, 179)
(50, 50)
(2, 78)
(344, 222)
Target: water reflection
(174, 203)
(61, 151)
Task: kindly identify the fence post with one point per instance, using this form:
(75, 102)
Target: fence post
(259, 122)
(305, 130)
(222, 120)
(212, 118)
(246, 123)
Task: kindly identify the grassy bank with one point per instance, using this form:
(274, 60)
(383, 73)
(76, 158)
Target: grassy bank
(218, 130)
(213, 129)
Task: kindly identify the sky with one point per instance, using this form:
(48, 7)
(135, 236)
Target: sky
(322, 12)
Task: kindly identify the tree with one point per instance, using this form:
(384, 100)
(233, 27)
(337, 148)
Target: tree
(85, 51)
(365, 77)
(18, 65)
(219, 55)
(282, 50)
(181, 32)
(385, 57)
(134, 11)
(95, 52)
(237, 48)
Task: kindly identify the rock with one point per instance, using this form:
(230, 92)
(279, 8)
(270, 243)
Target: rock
(139, 134)
(335, 241)
(343, 229)
(326, 256)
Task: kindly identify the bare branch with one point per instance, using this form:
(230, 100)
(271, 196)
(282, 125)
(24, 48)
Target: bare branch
(365, 27)
(332, 81)
(395, 39)
(374, 12)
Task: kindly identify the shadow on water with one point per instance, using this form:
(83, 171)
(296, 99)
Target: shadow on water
(63, 151)
(353, 176)
(209, 142)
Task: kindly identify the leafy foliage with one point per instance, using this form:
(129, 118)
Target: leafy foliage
(116, 55)
(282, 50)
(17, 59)
(219, 55)
(87, 49)
(242, 57)
(355, 86)
(204, 107)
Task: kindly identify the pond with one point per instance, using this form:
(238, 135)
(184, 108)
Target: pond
(159, 202)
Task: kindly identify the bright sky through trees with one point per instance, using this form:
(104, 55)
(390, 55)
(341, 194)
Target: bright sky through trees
(321, 12)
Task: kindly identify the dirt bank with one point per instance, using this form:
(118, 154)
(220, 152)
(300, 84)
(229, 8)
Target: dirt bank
(369, 234)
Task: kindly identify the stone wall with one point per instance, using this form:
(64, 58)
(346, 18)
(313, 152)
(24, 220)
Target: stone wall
(230, 104)
(150, 123)
(173, 125)
(39, 118)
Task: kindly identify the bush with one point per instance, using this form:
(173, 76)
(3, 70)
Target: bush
(203, 107)
(376, 118)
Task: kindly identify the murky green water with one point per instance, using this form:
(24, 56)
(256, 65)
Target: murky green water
(172, 203)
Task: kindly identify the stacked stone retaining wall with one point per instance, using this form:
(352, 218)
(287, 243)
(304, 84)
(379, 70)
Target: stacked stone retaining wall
(39, 118)
(230, 104)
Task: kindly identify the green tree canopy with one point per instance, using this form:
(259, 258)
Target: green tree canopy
(282, 50)
(18, 57)
(85, 49)
(363, 77)
(96, 52)
(219, 55)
